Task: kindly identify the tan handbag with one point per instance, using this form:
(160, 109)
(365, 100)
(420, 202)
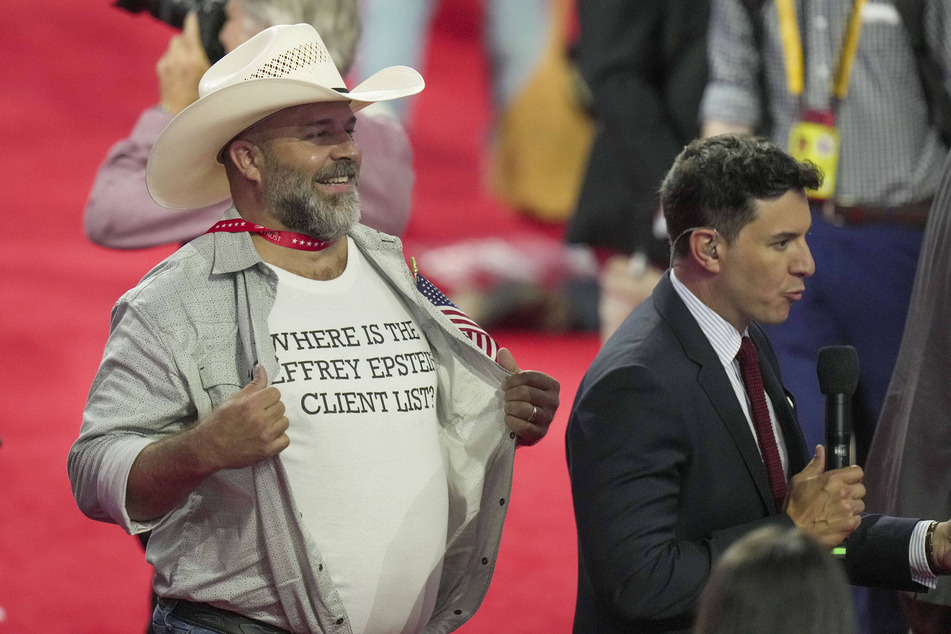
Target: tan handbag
(541, 147)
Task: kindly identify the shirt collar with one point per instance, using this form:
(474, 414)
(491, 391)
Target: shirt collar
(233, 251)
(719, 332)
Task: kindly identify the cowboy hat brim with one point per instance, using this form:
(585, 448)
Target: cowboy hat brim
(183, 171)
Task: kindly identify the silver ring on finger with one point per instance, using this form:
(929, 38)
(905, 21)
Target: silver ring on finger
(531, 417)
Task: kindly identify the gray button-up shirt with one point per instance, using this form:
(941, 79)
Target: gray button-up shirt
(185, 339)
(891, 154)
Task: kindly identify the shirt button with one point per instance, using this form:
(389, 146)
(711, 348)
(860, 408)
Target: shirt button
(820, 23)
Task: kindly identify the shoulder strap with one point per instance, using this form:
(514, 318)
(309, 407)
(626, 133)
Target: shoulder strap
(755, 10)
(939, 102)
(912, 15)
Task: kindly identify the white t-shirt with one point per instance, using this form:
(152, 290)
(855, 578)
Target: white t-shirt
(364, 462)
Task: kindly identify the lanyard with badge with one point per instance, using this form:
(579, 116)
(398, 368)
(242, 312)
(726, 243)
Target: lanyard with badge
(814, 137)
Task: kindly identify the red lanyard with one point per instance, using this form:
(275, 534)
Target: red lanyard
(288, 239)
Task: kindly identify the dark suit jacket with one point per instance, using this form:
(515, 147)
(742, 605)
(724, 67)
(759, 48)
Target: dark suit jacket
(646, 66)
(665, 474)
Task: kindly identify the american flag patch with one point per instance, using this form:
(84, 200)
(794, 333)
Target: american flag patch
(462, 321)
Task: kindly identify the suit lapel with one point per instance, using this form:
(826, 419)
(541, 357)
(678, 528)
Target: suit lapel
(714, 382)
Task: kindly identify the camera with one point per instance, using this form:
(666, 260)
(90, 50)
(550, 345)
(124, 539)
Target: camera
(211, 17)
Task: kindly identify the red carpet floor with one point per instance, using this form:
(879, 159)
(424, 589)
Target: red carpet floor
(74, 78)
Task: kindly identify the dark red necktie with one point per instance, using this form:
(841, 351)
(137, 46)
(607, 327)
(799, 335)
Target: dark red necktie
(753, 380)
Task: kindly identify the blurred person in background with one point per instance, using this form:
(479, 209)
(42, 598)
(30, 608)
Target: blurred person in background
(645, 66)
(779, 581)
(396, 32)
(908, 468)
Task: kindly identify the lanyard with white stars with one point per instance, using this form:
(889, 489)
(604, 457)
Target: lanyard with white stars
(287, 239)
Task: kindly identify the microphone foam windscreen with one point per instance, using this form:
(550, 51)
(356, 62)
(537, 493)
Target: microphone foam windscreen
(838, 370)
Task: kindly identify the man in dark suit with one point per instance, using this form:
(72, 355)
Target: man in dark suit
(676, 449)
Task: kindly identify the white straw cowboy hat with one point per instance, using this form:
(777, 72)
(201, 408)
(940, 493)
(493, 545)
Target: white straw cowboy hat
(280, 67)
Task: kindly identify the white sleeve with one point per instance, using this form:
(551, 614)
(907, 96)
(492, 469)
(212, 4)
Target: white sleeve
(113, 479)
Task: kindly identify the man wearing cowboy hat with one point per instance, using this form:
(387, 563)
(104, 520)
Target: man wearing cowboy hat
(367, 492)
(119, 213)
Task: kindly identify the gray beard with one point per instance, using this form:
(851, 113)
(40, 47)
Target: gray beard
(295, 201)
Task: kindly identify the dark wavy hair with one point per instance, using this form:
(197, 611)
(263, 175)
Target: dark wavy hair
(715, 182)
(776, 580)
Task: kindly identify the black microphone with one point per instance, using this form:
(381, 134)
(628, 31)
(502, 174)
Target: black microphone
(838, 370)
